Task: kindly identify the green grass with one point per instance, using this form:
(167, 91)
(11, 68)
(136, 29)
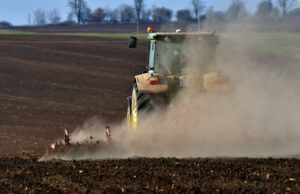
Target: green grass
(14, 32)
(105, 35)
(278, 44)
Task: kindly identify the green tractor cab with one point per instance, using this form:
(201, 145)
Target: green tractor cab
(171, 57)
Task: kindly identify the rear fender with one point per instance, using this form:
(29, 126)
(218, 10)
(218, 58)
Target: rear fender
(144, 86)
(129, 104)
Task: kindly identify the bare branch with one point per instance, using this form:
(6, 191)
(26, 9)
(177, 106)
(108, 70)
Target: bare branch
(78, 8)
(54, 16)
(139, 5)
(39, 17)
(285, 6)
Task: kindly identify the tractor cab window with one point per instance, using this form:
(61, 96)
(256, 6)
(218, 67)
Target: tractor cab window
(170, 58)
(173, 58)
(152, 54)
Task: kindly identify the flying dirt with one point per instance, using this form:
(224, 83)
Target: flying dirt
(201, 96)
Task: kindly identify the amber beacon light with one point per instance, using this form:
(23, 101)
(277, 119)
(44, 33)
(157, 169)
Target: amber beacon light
(149, 30)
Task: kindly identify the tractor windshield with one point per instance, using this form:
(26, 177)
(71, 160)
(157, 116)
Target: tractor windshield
(173, 58)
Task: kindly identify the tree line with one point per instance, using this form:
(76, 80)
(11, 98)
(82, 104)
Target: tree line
(81, 13)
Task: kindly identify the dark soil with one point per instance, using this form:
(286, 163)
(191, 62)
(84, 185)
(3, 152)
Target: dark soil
(24, 174)
(51, 82)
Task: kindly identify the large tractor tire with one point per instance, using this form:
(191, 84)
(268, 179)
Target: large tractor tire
(139, 105)
(129, 112)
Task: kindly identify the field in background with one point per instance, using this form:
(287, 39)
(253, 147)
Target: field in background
(14, 32)
(279, 44)
(104, 35)
(285, 44)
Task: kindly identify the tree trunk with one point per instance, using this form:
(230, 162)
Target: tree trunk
(198, 19)
(138, 25)
(79, 17)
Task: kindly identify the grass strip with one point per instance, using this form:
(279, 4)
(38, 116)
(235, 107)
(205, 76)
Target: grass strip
(105, 35)
(15, 32)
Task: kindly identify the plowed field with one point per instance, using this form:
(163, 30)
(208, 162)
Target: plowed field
(24, 174)
(51, 82)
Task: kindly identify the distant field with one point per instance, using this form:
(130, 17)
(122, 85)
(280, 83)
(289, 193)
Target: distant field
(14, 32)
(278, 43)
(105, 35)
(102, 35)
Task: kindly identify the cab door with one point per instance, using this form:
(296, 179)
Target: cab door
(152, 54)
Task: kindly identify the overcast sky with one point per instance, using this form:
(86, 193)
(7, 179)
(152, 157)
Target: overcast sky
(16, 11)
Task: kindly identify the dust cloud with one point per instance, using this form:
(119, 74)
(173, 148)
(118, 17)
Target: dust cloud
(257, 115)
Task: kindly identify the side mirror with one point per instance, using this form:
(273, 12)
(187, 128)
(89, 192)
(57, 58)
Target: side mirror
(132, 42)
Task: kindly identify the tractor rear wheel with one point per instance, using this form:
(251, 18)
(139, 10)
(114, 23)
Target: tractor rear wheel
(129, 113)
(140, 104)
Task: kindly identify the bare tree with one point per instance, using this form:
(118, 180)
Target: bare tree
(275, 12)
(264, 9)
(184, 15)
(54, 16)
(211, 14)
(29, 19)
(39, 17)
(138, 5)
(70, 17)
(5, 24)
(285, 6)
(78, 8)
(86, 16)
(146, 14)
(162, 15)
(98, 15)
(198, 7)
(294, 12)
(112, 15)
(127, 13)
(236, 10)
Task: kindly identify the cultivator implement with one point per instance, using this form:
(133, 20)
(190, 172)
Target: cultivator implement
(90, 145)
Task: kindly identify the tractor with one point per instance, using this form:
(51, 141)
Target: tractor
(176, 60)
